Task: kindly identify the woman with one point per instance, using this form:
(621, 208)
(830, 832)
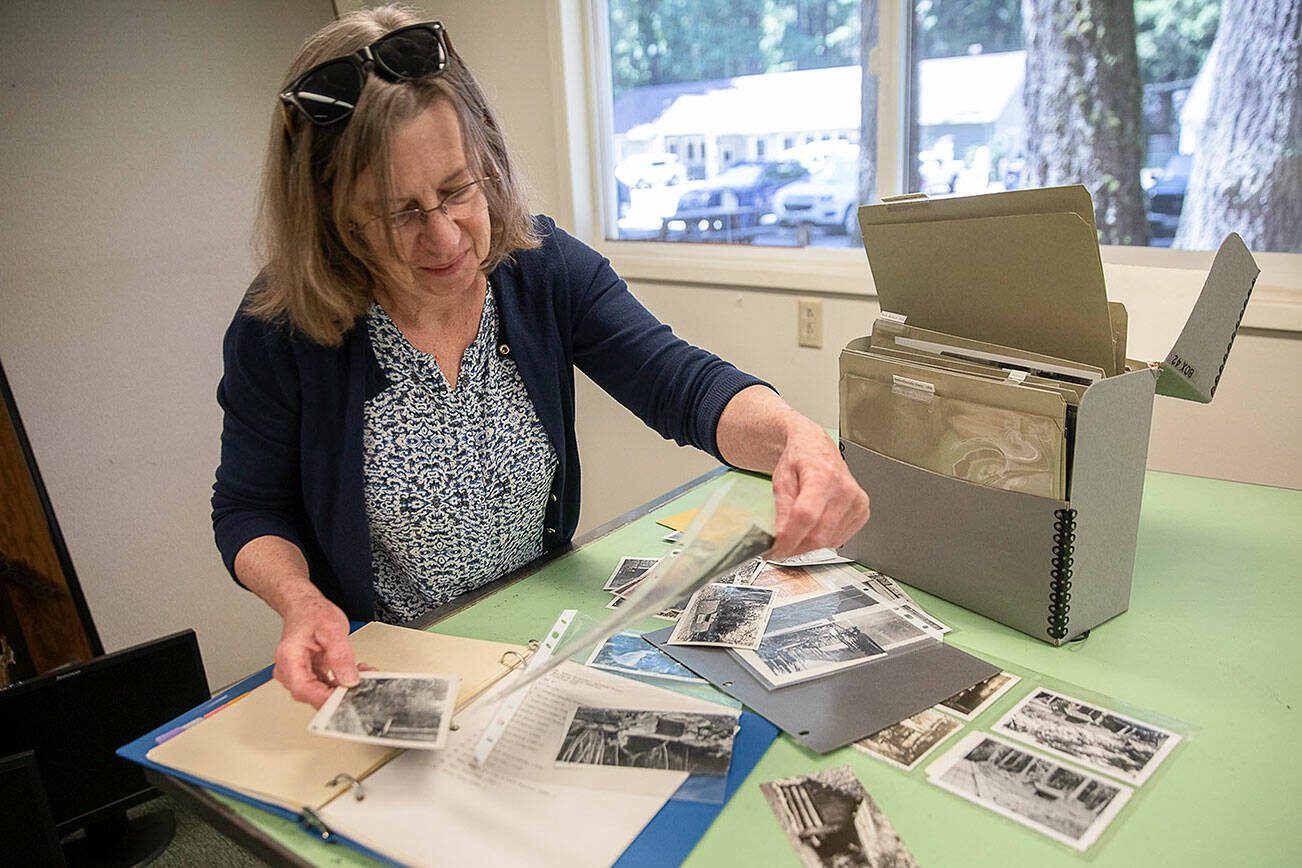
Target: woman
(399, 382)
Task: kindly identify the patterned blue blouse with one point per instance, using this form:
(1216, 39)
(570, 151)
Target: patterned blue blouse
(456, 480)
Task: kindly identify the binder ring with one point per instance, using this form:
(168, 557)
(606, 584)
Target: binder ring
(354, 785)
(516, 660)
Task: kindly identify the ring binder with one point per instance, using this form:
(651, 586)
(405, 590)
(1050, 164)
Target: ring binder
(310, 821)
(1064, 538)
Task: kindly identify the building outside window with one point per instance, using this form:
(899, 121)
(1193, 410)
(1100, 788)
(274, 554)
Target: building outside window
(1134, 102)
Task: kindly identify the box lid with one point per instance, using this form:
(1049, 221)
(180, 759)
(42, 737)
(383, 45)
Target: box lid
(1019, 268)
(1193, 368)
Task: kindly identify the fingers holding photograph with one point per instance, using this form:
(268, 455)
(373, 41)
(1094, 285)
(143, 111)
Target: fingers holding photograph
(395, 709)
(1066, 804)
(1092, 735)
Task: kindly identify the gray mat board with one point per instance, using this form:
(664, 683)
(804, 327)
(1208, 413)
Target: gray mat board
(830, 712)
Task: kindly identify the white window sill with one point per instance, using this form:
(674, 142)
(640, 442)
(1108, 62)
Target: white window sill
(1276, 303)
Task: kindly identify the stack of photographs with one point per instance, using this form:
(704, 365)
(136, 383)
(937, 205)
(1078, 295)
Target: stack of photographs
(834, 618)
(1095, 758)
(629, 572)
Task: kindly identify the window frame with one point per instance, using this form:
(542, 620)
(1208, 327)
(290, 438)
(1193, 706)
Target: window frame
(582, 47)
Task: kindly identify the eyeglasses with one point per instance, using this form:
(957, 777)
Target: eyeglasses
(405, 224)
(328, 92)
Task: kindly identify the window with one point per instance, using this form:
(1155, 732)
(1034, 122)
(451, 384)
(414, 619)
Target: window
(990, 106)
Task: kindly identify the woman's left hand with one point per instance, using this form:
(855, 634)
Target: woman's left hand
(817, 503)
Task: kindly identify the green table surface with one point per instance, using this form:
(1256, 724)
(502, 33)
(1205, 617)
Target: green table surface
(1211, 640)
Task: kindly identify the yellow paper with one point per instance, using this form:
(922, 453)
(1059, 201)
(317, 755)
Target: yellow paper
(678, 521)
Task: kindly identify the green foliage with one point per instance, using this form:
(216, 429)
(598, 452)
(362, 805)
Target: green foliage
(946, 28)
(1173, 37)
(665, 41)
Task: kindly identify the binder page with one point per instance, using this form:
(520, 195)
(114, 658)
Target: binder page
(520, 807)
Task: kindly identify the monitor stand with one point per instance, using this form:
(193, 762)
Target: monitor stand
(122, 842)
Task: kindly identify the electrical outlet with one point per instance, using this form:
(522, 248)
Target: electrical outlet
(809, 322)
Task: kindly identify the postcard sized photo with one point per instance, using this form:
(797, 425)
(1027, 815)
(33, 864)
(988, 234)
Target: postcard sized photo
(1089, 734)
(819, 607)
(831, 820)
(790, 583)
(906, 743)
(1068, 805)
(731, 616)
(914, 613)
(809, 652)
(885, 587)
(682, 741)
(885, 626)
(969, 704)
(630, 653)
(395, 709)
(628, 571)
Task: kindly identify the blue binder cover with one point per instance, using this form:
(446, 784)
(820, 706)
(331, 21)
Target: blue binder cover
(667, 839)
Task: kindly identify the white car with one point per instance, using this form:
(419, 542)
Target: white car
(829, 197)
(651, 170)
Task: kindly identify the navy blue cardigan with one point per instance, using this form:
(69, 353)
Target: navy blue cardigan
(291, 458)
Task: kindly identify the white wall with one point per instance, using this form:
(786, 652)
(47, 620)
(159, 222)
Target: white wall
(131, 142)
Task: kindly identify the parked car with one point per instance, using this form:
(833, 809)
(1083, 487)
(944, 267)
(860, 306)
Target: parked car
(651, 170)
(736, 199)
(1166, 199)
(829, 197)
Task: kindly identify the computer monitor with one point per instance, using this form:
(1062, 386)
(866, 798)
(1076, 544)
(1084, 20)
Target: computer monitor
(74, 718)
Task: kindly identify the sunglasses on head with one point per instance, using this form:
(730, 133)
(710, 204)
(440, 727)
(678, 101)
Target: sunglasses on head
(328, 92)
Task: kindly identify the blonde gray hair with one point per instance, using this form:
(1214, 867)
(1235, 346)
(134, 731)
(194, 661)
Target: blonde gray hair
(319, 276)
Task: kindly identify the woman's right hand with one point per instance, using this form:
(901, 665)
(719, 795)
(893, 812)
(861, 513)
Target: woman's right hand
(314, 655)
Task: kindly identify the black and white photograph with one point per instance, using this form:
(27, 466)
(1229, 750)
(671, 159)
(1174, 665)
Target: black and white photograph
(913, 612)
(1089, 734)
(1068, 805)
(809, 652)
(728, 616)
(631, 654)
(742, 574)
(819, 607)
(396, 709)
(906, 743)
(885, 626)
(884, 586)
(628, 572)
(969, 704)
(682, 741)
(831, 821)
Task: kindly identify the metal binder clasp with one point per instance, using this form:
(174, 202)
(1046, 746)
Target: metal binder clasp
(516, 660)
(311, 822)
(354, 785)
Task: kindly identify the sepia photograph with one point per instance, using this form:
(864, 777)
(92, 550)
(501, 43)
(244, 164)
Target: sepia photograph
(1070, 806)
(969, 704)
(906, 743)
(683, 741)
(832, 822)
(819, 607)
(630, 653)
(628, 572)
(810, 652)
(790, 582)
(395, 709)
(1089, 734)
(730, 616)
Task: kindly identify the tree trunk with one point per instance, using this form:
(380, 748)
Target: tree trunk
(867, 110)
(1247, 171)
(1082, 98)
